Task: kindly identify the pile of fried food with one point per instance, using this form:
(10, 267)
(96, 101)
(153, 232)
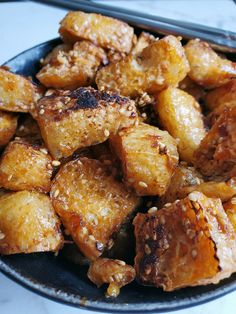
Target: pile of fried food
(122, 130)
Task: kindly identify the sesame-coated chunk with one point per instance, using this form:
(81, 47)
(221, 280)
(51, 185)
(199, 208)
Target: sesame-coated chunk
(91, 203)
(187, 243)
(70, 120)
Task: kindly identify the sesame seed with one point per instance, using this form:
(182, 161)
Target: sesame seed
(233, 201)
(121, 263)
(118, 277)
(146, 236)
(84, 230)
(56, 193)
(194, 253)
(2, 235)
(41, 111)
(152, 210)
(196, 205)
(91, 237)
(147, 249)
(192, 197)
(167, 205)
(110, 244)
(142, 184)
(144, 115)
(56, 163)
(17, 138)
(148, 269)
(106, 132)
(44, 151)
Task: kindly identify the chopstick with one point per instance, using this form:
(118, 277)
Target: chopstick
(221, 39)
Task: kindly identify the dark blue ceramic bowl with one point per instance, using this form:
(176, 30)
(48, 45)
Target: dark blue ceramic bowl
(59, 280)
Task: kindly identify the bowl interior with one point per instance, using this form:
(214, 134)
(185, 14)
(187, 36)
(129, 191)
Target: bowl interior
(65, 282)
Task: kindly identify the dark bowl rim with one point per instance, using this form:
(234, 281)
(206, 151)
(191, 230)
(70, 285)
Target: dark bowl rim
(74, 300)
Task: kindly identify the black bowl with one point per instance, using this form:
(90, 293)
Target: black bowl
(62, 281)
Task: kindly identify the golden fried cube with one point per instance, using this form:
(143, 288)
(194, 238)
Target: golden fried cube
(8, 125)
(74, 68)
(216, 154)
(24, 166)
(16, 92)
(180, 115)
(206, 67)
(148, 156)
(91, 203)
(184, 176)
(81, 118)
(28, 223)
(114, 272)
(223, 190)
(144, 40)
(103, 31)
(190, 242)
(190, 87)
(161, 64)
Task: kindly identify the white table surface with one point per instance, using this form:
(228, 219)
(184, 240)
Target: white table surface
(25, 24)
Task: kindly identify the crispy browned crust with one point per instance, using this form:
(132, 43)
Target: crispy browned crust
(70, 120)
(74, 68)
(105, 270)
(8, 125)
(206, 67)
(161, 64)
(28, 224)
(17, 94)
(180, 114)
(216, 154)
(25, 166)
(103, 31)
(91, 203)
(149, 157)
(190, 242)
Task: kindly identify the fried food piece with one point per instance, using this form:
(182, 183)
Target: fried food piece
(180, 115)
(190, 87)
(191, 242)
(28, 223)
(223, 190)
(161, 64)
(216, 154)
(91, 203)
(219, 99)
(206, 67)
(8, 125)
(230, 209)
(16, 92)
(144, 40)
(70, 120)
(53, 55)
(183, 176)
(103, 31)
(29, 129)
(74, 68)
(114, 272)
(148, 156)
(24, 166)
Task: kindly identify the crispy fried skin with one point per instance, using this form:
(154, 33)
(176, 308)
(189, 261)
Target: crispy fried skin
(161, 64)
(103, 31)
(74, 68)
(148, 156)
(114, 272)
(28, 223)
(206, 67)
(8, 125)
(191, 242)
(70, 120)
(91, 203)
(216, 154)
(24, 166)
(17, 94)
(180, 115)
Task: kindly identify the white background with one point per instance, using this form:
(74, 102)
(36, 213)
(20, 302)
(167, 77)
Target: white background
(25, 24)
